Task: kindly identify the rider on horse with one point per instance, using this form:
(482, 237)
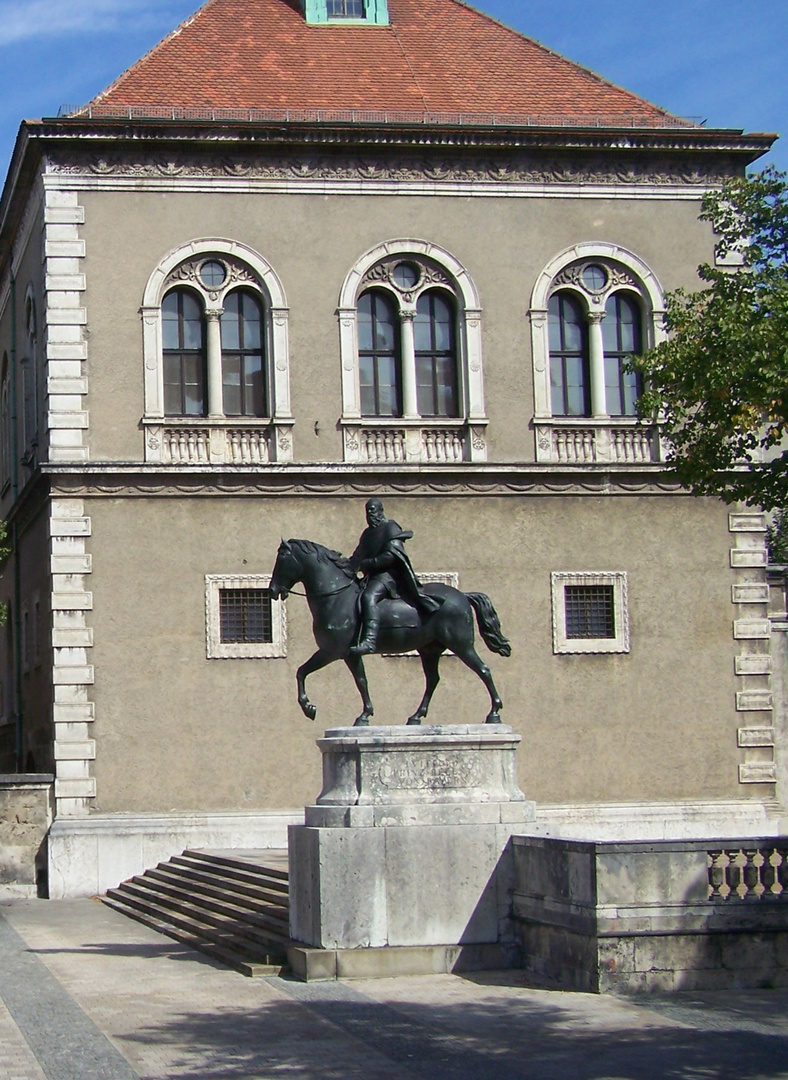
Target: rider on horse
(382, 558)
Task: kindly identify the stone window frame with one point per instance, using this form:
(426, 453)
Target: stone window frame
(562, 645)
(444, 272)
(247, 269)
(215, 648)
(628, 273)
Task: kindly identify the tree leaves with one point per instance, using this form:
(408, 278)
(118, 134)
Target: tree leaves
(720, 381)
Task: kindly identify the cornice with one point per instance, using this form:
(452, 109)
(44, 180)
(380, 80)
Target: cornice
(578, 137)
(138, 481)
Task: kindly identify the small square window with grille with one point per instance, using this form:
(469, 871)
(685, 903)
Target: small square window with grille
(242, 621)
(590, 611)
(245, 616)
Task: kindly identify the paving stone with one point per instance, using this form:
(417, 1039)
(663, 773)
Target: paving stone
(168, 1013)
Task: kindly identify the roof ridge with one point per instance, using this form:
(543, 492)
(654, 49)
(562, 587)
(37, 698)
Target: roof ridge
(560, 56)
(154, 49)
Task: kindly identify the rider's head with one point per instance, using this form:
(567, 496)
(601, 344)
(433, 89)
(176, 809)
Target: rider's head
(375, 513)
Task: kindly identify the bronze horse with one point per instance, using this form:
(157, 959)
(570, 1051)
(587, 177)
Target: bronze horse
(332, 590)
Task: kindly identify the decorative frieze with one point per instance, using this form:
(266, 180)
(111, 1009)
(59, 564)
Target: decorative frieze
(505, 169)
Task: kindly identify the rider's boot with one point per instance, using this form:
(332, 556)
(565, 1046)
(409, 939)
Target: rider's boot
(369, 641)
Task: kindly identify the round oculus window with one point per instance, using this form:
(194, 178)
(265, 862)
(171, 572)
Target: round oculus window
(594, 277)
(212, 274)
(405, 275)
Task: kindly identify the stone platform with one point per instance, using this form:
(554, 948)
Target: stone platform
(407, 850)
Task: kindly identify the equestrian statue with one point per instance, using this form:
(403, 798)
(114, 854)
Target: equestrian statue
(386, 610)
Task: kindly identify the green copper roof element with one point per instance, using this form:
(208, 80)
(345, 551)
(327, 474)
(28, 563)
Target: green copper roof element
(317, 11)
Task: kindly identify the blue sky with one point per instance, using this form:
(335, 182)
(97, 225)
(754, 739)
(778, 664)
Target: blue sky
(721, 60)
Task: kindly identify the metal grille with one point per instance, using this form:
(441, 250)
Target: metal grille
(590, 611)
(245, 616)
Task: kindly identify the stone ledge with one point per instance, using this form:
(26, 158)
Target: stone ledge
(322, 965)
(363, 817)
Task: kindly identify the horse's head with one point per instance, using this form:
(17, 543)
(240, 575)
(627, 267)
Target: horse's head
(287, 571)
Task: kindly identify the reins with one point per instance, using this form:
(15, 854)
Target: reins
(333, 592)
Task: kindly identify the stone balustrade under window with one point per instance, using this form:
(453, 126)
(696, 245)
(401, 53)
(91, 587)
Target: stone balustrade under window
(445, 443)
(217, 442)
(616, 441)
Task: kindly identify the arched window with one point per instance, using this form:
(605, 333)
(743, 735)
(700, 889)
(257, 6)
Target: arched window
(217, 386)
(593, 309)
(622, 338)
(243, 375)
(379, 359)
(569, 383)
(183, 346)
(410, 338)
(436, 354)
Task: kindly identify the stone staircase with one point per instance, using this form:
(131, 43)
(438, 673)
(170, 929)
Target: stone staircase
(232, 906)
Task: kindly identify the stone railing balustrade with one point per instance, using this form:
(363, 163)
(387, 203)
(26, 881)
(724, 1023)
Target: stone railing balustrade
(748, 873)
(596, 442)
(184, 446)
(221, 441)
(414, 443)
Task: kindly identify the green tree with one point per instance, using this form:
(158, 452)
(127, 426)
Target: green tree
(720, 381)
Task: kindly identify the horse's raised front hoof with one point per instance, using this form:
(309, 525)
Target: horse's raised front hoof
(493, 718)
(310, 710)
(414, 721)
(362, 721)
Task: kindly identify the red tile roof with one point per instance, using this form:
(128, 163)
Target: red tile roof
(438, 56)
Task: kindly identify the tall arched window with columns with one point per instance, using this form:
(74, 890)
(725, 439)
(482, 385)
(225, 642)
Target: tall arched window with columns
(594, 308)
(410, 340)
(217, 386)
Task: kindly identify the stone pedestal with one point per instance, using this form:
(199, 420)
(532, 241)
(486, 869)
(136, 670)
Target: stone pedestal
(407, 848)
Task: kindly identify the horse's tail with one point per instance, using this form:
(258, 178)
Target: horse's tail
(489, 624)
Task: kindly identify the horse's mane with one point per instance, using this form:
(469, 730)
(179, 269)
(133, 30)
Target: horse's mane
(324, 555)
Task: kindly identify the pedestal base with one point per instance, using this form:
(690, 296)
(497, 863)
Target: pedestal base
(408, 847)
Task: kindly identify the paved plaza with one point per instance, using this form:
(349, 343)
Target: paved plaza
(86, 994)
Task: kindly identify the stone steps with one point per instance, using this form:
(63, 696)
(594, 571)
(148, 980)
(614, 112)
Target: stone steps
(234, 908)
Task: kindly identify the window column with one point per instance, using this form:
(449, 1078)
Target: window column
(410, 402)
(214, 356)
(596, 360)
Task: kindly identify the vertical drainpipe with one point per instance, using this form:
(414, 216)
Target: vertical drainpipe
(17, 616)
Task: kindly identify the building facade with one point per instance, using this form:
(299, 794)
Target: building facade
(232, 310)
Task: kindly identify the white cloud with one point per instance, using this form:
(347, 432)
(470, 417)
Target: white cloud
(22, 20)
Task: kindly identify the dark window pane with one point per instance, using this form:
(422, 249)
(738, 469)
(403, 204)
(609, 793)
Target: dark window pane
(558, 404)
(169, 315)
(231, 323)
(387, 386)
(385, 316)
(231, 382)
(365, 322)
(245, 616)
(590, 611)
(421, 330)
(253, 321)
(554, 324)
(254, 386)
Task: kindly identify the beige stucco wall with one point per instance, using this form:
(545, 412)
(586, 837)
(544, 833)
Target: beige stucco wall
(177, 731)
(312, 241)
